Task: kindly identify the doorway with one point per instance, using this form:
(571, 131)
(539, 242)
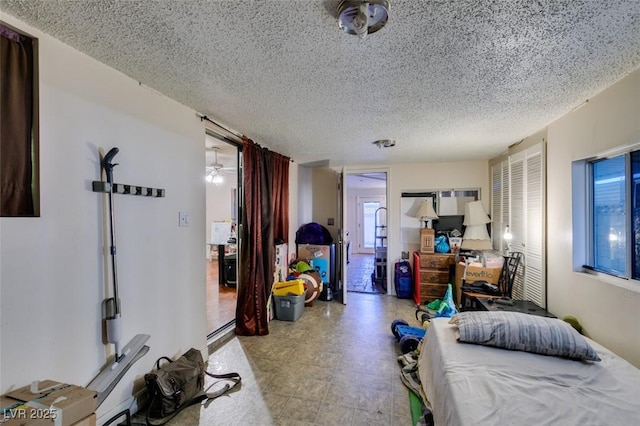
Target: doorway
(366, 194)
(222, 176)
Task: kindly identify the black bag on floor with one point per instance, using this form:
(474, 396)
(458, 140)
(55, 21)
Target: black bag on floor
(179, 384)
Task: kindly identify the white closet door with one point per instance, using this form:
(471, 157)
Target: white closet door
(535, 288)
(518, 201)
(499, 204)
(517, 217)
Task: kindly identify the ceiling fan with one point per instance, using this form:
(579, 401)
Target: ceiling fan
(215, 170)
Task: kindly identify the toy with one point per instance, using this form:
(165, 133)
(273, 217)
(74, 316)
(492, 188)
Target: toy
(408, 336)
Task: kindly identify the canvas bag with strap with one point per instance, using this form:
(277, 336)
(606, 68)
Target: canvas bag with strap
(179, 384)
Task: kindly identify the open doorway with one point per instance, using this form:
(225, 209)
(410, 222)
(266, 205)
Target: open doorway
(222, 191)
(366, 225)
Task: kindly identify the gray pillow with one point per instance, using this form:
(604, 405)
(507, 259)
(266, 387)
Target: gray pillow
(522, 332)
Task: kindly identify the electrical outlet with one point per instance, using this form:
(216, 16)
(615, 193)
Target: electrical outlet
(405, 254)
(184, 219)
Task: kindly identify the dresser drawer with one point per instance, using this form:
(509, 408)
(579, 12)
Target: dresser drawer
(432, 291)
(436, 261)
(434, 276)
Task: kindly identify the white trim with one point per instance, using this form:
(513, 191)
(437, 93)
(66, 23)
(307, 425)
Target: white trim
(627, 284)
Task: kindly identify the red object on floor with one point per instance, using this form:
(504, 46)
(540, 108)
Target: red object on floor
(416, 277)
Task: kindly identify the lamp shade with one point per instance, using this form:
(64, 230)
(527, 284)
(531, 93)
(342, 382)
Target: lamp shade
(474, 214)
(476, 232)
(476, 237)
(426, 211)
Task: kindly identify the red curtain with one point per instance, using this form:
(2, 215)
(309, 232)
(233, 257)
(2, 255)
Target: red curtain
(262, 217)
(16, 116)
(280, 191)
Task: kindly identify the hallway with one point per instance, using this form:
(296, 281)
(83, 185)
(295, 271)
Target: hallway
(359, 270)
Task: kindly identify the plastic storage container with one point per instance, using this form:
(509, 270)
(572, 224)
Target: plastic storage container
(289, 308)
(285, 288)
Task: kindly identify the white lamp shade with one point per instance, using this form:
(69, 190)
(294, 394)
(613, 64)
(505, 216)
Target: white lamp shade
(476, 232)
(426, 211)
(476, 237)
(474, 214)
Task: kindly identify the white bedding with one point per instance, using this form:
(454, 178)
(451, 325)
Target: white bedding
(469, 384)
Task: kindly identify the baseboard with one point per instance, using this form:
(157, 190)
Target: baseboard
(132, 403)
(220, 337)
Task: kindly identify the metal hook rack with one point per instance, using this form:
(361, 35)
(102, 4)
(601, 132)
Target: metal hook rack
(118, 188)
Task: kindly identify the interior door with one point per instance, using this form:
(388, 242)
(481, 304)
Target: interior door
(343, 234)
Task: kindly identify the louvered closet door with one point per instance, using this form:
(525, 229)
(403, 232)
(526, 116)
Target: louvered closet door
(518, 201)
(499, 198)
(535, 288)
(517, 219)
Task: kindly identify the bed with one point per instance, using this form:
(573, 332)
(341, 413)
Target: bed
(473, 384)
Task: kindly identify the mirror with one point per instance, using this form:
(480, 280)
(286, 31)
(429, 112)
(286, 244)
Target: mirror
(448, 204)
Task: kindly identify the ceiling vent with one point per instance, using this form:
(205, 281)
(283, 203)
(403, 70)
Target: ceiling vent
(362, 18)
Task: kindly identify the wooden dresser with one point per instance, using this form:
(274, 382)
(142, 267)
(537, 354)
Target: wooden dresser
(432, 273)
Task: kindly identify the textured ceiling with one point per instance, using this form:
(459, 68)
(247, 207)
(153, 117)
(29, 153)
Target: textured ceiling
(448, 80)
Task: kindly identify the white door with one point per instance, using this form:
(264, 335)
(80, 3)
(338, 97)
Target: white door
(343, 234)
(518, 202)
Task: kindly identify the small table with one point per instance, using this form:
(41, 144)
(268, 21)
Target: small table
(523, 306)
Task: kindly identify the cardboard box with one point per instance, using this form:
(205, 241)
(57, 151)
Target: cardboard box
(55, 403)
(427, 241)
(321, 257)
(87, 421)
(474, 273)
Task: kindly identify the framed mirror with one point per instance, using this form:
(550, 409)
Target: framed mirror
(448, 204)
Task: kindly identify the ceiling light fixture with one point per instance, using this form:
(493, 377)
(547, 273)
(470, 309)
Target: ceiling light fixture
(361, 18)
(385, 143)
(214, 176)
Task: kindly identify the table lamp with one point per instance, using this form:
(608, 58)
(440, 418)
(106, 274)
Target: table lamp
(427, 234)
(427, 213)
(476, 236)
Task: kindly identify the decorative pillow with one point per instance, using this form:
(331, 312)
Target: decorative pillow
(522, 332)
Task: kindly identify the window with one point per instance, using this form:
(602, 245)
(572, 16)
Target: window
(608, 222)
(612, 214)
(369, 211)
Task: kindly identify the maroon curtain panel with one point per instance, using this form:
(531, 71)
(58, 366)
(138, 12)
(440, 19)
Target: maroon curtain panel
(262, 181)
(251, 308)
(16, 116)
(280, 167)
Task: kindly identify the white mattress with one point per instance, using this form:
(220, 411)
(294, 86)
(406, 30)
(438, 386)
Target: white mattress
(470, 384)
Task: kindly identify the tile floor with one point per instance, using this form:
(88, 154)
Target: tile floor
(336, 365)
(359, 272)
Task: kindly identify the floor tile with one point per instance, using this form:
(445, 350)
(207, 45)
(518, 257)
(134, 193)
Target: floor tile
(336, 365)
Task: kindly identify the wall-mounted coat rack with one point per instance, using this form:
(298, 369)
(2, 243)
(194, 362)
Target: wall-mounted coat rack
(118, 188)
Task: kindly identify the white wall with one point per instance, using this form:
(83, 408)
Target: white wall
(294, 203)
(52, 277)
(609, 313)
(219, 202)
(304, 211)
(325, 199)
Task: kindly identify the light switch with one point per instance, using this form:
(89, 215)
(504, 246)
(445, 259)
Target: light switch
(184, 219)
